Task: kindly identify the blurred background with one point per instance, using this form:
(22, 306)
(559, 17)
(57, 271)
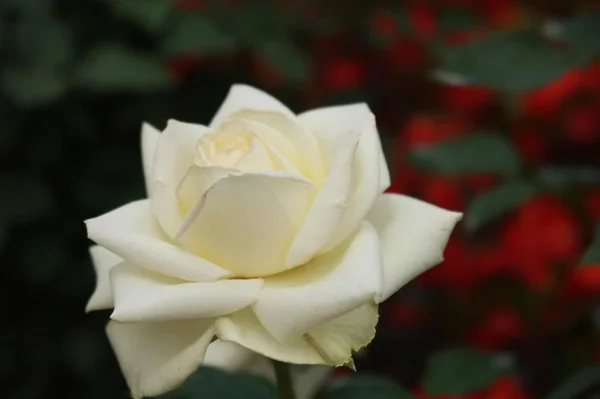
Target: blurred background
(491, 107)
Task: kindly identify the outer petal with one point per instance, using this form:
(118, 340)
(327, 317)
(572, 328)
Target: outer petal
(370, 175)
(335, 283)
(158, 357)
(176, 151)
(131, 233)
(150, 137)
(340, 337)
(244, 328)
(413, 236)
(141, 296)
(229, 356)
(241, 97)
(331, 202)
(247, 221)
(103, 261)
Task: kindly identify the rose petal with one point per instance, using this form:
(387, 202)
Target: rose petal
(384, 171)
(158, 357)
(284, 155)
(150, 137)
(370, 175)
(192, 191)
(130, 232)
(229, 356)
(247, 221)
(301, 139)
(330, 285)
(256, 159)
(241, 97)
(331, 202)
(141, 295)
(244, 329)
(175, 153)
(103, 261)
(413, 236)
(339, 338)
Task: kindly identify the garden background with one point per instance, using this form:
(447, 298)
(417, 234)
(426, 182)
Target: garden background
(491, 107)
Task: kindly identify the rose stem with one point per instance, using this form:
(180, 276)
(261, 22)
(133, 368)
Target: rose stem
(283, 374)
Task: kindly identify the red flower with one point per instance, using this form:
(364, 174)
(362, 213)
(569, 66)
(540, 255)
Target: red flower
(582, 124)
(503, 388)
(593, 204)
(592, 77)
(501, 13)
(402, 181)
(402, 313)
(506, 388)
(500, 326)
(460, 3)
(422, 18)
(180, 66)
(427, 129)
(384, 23)
(464, 266)
(405, 55)
(454, 271)
(444, 192)
(540, 233)
(466, 99)
(583, 280)
(545, 102)
(460, 38)
(342, 73)
(531, 144)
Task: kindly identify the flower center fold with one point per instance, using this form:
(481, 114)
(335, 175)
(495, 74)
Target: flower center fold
(239, 150)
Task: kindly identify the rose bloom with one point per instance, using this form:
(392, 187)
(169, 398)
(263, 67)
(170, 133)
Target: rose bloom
(266, 229)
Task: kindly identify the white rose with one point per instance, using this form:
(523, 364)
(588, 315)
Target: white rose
(265, 228)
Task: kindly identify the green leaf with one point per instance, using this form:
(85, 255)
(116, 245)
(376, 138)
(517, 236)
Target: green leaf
(512, 61)
(368, 387)
(497, 202)
(582, 32)
(563, 177)
(208, 382)
(44, 258)
(195, 34)
(111, 67)
(33, 87)
(472, 153)
(577, 385)
(149, 14)
(28, 6)
(26, 197)
(591, 256)
(4, 234)
(453, 18)
(43, 42)
(8, 128)
(288, 59)
(459, 371)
